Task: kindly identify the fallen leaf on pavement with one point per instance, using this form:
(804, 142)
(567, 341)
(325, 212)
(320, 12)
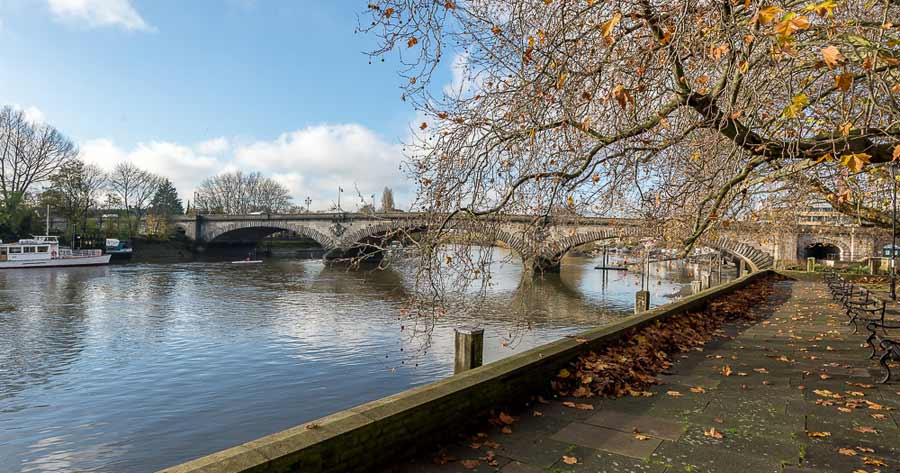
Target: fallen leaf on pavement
(818, 435)
(874, 461)
(712, 432)
(866, 430)
(470, 464)
(569, 460)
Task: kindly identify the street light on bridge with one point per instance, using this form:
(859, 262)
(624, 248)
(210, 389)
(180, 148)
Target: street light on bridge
(307, 202)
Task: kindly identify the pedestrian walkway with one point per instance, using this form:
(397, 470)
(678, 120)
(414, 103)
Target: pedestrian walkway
(792, 393)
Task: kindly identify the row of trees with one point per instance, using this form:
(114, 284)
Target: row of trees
(236, 193)
(40, 167)
(79, 190)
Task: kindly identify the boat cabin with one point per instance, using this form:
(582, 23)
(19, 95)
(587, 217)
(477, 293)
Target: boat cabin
(43, 248)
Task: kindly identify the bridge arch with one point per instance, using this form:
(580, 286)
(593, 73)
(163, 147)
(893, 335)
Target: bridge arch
(753, 257)
(807, 243)
(222, 233)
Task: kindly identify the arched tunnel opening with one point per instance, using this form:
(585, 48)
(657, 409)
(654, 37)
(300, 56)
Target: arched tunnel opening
(266, 241)
(822, 251)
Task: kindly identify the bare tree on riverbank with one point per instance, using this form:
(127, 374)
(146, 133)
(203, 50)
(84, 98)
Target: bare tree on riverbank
(30, 153)
(135, 188)
(236, 193)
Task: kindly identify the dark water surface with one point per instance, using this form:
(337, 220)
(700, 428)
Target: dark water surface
(142, 366)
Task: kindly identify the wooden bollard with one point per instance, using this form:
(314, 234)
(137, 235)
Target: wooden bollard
(641, 301)
(469, 348)
(696, 287)
(810, 264)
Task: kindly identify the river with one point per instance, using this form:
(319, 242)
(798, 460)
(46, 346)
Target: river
(141, 366)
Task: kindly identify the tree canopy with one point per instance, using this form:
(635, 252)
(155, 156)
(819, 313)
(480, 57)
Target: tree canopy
(686, 111)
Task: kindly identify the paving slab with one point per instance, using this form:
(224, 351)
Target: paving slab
(646, 425)
(607, 440)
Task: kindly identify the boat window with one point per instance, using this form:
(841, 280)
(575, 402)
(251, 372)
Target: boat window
(43, 249)
(28, 249)
(14, 251)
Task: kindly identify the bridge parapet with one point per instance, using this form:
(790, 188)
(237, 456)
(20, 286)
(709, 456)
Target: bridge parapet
(542, 242)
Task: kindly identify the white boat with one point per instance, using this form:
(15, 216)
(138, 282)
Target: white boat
(45, 252)
(248, 261)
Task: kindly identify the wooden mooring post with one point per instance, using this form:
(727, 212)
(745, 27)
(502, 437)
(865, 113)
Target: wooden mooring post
(810, 265)
(469, 349)
(641, 301)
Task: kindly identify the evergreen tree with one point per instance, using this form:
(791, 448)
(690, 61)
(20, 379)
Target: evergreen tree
(387, 200)
(166, 201)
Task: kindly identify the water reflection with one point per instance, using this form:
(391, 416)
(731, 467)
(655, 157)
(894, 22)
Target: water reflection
(137, 367)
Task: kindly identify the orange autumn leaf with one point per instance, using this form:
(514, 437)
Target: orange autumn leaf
(818, 435)
(622, 96)
(866, 430)
(673, 393)
(847, 452)
(726, 370)
(641, 437)
(470, 464)
(608, 25)
(506, 418)
(855, 161)
(569, 460)
(712, 432)
(767, 15)
(897, 153)
(843, 81)
(874, 462)
(832, 56)
(412, 42)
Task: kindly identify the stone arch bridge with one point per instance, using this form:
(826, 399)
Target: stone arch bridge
(541, 244)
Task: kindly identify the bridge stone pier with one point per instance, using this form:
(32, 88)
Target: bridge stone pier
(541, 243)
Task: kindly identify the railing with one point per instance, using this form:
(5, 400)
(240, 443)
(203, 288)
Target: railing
(67, 253)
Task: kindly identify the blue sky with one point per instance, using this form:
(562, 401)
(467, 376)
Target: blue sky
(191, 88)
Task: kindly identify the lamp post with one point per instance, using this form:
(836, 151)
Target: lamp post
(307, 202)
(893, 233)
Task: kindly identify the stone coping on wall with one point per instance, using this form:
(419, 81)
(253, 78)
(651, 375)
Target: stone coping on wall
(388, 429)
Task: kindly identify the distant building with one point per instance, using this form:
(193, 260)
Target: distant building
(822, 213)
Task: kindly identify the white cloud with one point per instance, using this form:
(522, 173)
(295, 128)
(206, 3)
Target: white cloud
(99, 13)
(215, 146)
(34, 115)
(311, 162)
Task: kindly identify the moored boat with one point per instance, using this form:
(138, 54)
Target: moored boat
(117, 249)
(45, 252)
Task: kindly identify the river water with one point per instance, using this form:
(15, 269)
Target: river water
(141, 366)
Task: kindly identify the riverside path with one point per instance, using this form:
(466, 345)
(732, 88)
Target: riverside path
(776, 413)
